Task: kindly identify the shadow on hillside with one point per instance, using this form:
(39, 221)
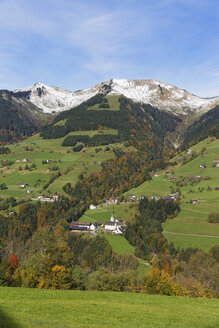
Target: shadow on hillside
(7, 322)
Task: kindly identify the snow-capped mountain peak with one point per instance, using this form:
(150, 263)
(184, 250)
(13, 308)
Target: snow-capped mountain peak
(158, 94)
(163, 96)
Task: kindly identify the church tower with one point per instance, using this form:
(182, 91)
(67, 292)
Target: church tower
(112, 218)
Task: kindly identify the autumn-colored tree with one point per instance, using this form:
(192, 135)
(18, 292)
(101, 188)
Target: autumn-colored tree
(14, 261)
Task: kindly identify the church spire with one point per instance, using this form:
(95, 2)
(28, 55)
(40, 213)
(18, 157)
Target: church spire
(112, 218)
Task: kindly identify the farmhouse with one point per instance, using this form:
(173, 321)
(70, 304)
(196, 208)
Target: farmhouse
(195, 201)
(23, 185)
(172, 179)
(80, 226)
(216, 160)
(217, 188)
(132, 197)
(169, 199)
(92, 207)
(155, 197)
(112, 200)
(56, 195)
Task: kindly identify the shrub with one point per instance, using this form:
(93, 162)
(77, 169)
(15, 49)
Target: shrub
(78, 148)
(104, 105)
(213, 218)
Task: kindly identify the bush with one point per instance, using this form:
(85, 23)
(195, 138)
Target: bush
(104, 105)
(3, 186)
(78, 148)
(72, 140)
(213, 218)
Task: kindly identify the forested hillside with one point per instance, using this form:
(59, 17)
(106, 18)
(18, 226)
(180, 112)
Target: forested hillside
(206, 125)
(18, 118)
(140, 124)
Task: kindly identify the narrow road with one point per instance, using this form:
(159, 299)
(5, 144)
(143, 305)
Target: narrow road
(189, 234)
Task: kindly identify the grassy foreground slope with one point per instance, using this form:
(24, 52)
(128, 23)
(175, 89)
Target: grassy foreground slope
(190, 228)
(21, 308)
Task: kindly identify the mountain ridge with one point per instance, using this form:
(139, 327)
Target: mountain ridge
(156, 93)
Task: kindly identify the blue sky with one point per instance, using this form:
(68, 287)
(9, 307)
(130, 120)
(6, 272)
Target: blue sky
(76, 44)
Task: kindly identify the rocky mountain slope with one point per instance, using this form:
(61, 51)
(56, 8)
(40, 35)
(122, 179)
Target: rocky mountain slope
(158, 94)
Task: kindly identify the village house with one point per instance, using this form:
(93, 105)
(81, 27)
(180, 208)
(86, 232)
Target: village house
(195, 201)
(216, 160)
(112, 201)
(92, 207)
(155, 198)
(23, 185)
(132, 197)
(169, 199)
(156, 175)
(80, 226)
(44, 199)
(172, 179)
(56, 196)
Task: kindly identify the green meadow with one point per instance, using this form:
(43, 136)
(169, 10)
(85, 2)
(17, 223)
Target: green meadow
(119, 244)
(62, 159)
(25, 308)
(113, 102)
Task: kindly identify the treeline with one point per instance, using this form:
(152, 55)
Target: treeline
(207, 125)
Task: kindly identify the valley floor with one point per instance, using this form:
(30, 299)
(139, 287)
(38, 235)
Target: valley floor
(22, 308)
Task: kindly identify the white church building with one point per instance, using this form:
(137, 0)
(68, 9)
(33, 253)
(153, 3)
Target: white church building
(114, 226)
